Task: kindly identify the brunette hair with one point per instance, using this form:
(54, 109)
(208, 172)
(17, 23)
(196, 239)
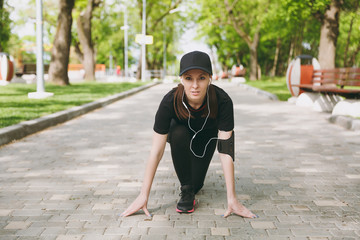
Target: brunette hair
(183, 114)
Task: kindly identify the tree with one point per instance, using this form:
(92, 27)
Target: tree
(58, 70)
(246, 20)
(348, 45)
(242, 16)
(329, 34)
(156, 11)
(4, 27)
(87, 51)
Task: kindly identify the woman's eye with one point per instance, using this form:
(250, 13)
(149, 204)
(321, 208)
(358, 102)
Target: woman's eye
(188, 78)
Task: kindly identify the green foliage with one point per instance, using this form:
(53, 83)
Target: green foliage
(230, 47)
(296, 23)
(107, 35)
(274, 85)
(16, 107)
(5, 31)
(159, 22)
(347, 49)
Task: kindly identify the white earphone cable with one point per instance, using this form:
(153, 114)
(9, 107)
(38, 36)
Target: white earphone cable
(196, 132)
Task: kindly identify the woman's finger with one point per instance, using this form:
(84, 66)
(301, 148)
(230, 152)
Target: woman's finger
(227, 213)
(246, 213)
(146, 211)
(128, 212)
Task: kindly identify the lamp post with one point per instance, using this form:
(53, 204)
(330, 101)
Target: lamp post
(143, 49)
(164, 40)
(125, 28)
(164, 58)
(40, 89)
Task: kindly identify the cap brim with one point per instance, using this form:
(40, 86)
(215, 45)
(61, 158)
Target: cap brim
(194, 67)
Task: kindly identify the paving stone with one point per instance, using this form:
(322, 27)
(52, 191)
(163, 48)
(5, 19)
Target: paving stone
(116, 231)
(220, 231)
(54, 231)
(128, 237)
(69, 237)
(311, 232)
(166, 231)
(5, 212)
(262, 225)
(185, 224)
(158, 224)
(155, 237)
(32, 231)
(296, 171)
(329, 203)
(18, 225)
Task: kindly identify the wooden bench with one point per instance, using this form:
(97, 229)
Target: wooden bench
(340, 81)
(30, 68)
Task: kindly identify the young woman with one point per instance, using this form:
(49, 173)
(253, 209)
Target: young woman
(194, 117)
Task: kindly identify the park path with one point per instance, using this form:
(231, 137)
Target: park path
(297, 171)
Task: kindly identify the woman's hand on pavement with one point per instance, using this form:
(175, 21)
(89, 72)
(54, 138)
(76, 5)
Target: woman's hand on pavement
(139, 203)
(237, 208)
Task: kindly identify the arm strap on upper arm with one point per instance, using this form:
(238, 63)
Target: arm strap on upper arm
(227, 146)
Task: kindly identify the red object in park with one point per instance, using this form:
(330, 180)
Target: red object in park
(6, 67)
(118, 70)
(300, 71)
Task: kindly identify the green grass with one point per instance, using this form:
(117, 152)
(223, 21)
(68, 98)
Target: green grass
(274, 85)
(16, 107)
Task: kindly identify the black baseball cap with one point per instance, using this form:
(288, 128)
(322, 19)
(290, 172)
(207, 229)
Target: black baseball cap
(195, 60)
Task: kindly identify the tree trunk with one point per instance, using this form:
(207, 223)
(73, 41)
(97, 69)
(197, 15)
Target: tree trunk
(58, 70)
(78, 52)
(352, 59)
(251, 42)
(299, 40)
(276, 57)
(348, 42)
(253, 62)
(328, 35)
(138, 71)
(291, 51)
(84, 32)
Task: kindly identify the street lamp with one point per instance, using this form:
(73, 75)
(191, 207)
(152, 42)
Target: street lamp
(40, 89)
(125, 28)
(143, 49)
(164, 41)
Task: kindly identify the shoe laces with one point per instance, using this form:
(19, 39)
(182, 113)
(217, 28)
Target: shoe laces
(187, 195)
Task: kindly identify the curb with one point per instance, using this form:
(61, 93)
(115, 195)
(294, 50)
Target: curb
(346, 122)
(23, 129)
(259, 92)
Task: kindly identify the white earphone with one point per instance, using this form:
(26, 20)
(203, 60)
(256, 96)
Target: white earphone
(196, 132)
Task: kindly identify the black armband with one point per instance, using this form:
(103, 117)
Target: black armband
(227, 146)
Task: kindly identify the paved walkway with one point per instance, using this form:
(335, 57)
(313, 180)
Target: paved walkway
(297, 171)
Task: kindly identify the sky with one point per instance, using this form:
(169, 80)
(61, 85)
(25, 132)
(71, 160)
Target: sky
(28, 28)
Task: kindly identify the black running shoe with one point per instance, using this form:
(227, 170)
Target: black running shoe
(187, 201)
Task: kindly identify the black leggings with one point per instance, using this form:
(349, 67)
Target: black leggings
(191, 170)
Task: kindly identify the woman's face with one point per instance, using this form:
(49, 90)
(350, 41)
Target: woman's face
(195, 83)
